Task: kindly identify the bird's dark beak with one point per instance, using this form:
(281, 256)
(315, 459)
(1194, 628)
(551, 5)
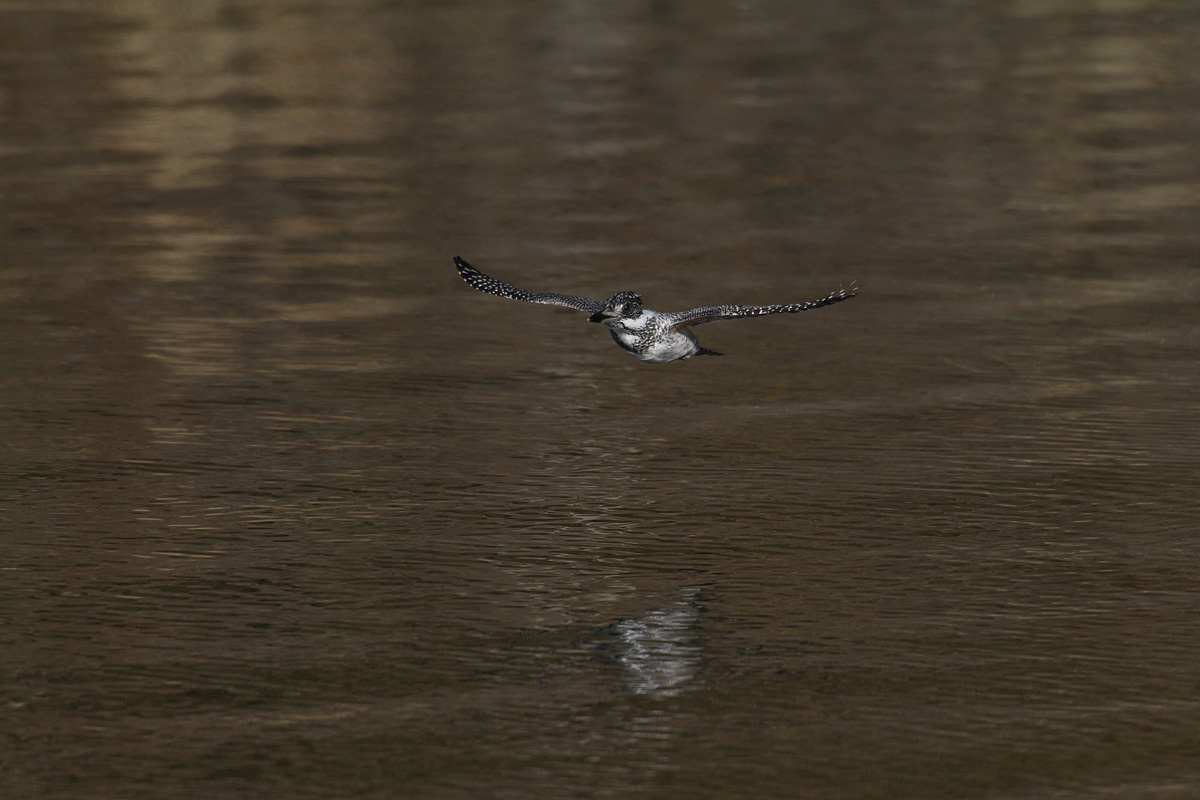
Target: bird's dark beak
(601, 316)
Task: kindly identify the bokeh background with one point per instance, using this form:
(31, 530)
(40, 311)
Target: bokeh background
(288, 510)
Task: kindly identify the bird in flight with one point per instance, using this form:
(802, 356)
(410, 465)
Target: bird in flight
(653, 336)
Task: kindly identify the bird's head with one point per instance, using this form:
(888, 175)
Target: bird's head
(622, 305)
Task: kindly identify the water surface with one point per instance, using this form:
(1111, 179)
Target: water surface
(291, 511)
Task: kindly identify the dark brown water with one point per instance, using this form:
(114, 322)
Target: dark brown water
(290, 511)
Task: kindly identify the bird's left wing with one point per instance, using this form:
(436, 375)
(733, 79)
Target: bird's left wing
(698, 316)
(486, 283)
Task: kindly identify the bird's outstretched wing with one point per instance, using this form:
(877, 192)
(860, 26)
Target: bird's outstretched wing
(486, 283)
(698, 316)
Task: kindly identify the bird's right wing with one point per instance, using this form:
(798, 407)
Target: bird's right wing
(486, 283)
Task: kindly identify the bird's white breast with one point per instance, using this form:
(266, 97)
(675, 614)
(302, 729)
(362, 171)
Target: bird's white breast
(671, 348)
(648, 336)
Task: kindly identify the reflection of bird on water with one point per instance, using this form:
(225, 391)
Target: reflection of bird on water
(649, 335)
(661, 649)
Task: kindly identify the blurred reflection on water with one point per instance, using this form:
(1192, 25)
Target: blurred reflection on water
(292, 511)
(659, 650)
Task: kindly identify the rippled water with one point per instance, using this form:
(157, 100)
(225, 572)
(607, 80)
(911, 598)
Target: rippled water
(291, 511)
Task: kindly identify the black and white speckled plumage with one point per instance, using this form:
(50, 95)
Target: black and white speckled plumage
(486, 283)
(651, 336)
